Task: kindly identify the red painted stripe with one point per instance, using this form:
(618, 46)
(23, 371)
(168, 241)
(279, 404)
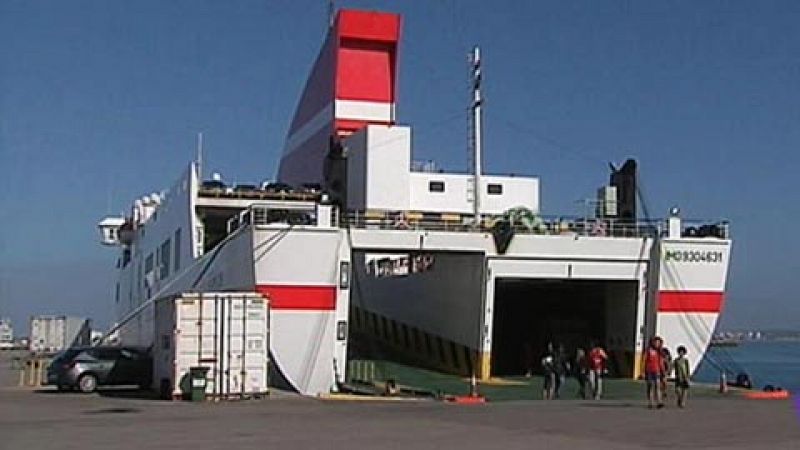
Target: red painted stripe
(365, 71)
(368, 25)
(690, 301)
(316, 298)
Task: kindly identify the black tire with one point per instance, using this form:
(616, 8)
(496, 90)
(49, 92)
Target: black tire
(87, 383)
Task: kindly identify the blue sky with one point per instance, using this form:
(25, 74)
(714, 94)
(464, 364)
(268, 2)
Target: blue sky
(100, 102)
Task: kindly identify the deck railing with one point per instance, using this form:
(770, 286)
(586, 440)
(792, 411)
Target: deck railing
(542, 225)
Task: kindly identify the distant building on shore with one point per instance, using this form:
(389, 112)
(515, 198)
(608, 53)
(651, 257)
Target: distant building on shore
(6, 332)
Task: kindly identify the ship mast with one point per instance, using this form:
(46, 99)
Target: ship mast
(476, 132)
(200, 155)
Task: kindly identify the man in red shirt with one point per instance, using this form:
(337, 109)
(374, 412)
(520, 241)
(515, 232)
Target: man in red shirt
(653, 372)
(597, 368)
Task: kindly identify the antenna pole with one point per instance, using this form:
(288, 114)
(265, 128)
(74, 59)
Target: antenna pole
(200, 156)
(477, 129)
(331, 13)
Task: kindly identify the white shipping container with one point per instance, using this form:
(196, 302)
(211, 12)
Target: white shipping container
(226, 332)
(50, 334)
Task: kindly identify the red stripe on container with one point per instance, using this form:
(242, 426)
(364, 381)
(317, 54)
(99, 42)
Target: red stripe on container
(309, 298)
(690, 301)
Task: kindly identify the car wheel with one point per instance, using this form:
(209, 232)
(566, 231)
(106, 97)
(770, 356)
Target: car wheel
(87, 383)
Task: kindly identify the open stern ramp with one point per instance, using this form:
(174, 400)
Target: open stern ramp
(434, 295)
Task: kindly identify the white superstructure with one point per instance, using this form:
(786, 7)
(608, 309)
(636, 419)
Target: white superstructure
(421, 263)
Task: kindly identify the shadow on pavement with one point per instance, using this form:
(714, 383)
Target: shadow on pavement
(111, 392)
(112, 411)
(134, 394)
(610, 405)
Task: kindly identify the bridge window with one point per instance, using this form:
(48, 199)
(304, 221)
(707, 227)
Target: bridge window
(494, 189)
(177, 265)
(165, 260)
(436, 186)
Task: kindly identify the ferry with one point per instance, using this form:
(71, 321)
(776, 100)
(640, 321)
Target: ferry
(357, 247)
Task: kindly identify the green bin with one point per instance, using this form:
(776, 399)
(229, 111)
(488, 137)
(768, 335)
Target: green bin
(197, 377)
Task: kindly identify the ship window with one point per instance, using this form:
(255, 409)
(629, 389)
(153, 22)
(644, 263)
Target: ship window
(126, 257)
(139, 280)
(436, 186)
(165, 259)
(177, 265)
(494, 189)
(149, 275)
(148, 264)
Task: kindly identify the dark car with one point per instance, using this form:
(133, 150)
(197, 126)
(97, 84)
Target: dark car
(85, 368)
(280, 188)
(245, 188)
(213, 184)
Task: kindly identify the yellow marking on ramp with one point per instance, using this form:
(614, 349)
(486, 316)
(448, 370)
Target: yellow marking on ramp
(500, 382)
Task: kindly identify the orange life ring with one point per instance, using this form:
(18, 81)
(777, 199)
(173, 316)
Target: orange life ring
(762, 395)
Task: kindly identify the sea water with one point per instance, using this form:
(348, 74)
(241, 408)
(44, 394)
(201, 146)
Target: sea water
(776, 363)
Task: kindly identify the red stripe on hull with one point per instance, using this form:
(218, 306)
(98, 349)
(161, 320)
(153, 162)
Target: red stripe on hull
(691, 302)
(304, 298)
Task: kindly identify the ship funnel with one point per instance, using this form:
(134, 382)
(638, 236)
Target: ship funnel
(624, 180)
(352, 84)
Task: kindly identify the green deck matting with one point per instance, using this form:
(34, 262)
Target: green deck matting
(502, 389)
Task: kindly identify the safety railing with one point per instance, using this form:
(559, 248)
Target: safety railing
(542, 225)
(299, 214)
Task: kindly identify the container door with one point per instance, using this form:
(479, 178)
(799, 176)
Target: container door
(235, 345)
(194, 343)
(256, 353)
(57, 334)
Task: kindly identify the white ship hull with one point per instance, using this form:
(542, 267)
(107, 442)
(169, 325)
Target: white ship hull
(417, 266)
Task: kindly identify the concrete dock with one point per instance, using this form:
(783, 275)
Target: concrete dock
(122, 419)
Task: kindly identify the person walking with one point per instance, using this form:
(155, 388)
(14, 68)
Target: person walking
(653, 370)
(549, 369)
(597, 368)
(581, 372)
(561, 363)
(666, 356)
(681, 366)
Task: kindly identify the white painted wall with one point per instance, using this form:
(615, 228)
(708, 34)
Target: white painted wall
(692, 330)
(379, 177)
(445, 301)
(694, 275)
(175, 211)
(378, 168)
(457, 198)
(303, 343)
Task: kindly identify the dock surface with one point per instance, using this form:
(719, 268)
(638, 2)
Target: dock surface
(120, 419)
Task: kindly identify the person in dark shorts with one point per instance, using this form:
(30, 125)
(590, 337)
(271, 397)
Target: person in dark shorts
(582, 372)
(681, 366)
(562, 367)
(666, 356)
(549, 369)
(653, 371)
